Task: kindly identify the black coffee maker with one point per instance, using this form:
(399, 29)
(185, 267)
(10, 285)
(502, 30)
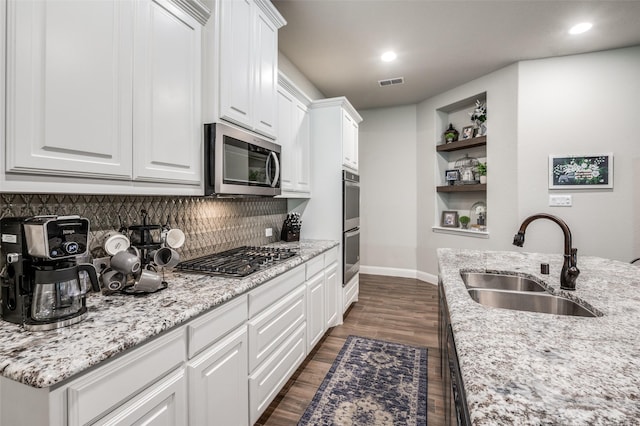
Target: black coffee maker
(40, 279)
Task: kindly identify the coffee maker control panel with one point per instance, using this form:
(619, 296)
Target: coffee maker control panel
(56, 237)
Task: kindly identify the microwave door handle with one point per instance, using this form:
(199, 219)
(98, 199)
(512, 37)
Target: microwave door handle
(277, 163)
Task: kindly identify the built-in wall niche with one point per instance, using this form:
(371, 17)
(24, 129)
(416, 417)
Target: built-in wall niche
(459, 196)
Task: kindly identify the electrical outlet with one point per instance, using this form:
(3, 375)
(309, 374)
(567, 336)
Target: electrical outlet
(268, 232)
(102, 263)
(560, 200)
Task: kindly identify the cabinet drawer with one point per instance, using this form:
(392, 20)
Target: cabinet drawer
(164, 403)
(274, 290)
(210, 327)
(331, 256)
(107, 387)
(273, 326)
(267, 381)
(314, 266)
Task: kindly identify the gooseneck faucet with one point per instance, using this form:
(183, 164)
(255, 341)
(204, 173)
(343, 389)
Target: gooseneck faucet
(570, 269)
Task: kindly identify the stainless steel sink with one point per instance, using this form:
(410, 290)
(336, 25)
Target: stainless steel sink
(500, 281)
(528, 301)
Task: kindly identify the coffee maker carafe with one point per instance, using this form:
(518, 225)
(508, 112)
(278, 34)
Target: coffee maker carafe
(41, 284)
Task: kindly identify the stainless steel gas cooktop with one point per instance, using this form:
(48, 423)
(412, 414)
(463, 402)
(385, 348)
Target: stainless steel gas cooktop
(238, 262)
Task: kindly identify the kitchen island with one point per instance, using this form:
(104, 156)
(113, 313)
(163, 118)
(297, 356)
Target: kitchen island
(117, 323)
(530, 368)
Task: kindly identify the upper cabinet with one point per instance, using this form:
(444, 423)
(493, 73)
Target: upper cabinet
(294, 136)
(341, 121)
(106, 90)
(248, 64)
(69, 88)
(166, 95)
(349, 141)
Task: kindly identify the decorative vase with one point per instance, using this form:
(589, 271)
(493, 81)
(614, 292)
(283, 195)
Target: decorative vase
(483, 179)
(451, 134)
(464, 225)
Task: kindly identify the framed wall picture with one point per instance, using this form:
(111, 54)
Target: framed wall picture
(452, 176)
(585, 171)
(467, 132)
(449, 219)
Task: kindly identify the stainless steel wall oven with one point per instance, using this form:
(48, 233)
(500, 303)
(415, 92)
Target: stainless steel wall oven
(351, 226)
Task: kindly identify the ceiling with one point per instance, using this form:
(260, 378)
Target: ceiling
(337, 44)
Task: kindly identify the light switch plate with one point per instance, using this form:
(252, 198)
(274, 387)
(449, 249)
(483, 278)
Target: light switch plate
(560, 200)
(268, 232)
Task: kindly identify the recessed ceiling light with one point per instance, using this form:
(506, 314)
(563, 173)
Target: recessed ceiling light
(388, 56)
(581, 28)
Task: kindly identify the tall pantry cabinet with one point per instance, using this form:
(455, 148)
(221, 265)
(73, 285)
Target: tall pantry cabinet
(334, 130)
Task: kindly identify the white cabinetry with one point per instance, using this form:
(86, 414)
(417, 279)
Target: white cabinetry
(349, 142)
(295, 138)
(277, 337)
(333, 287)
(218, 390)
(163, 404)
(166, 95)
(113, 386)
(103, 90)
(248, 64)
(69, 88)
(222, 368)
(331, 120)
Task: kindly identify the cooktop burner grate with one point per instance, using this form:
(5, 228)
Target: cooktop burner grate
(238, 262)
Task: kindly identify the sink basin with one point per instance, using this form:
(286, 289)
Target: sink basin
(500, 281)
(528, 301)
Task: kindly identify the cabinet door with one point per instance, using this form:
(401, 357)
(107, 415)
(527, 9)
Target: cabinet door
(69, 88)
(286, 140)
(315, 310)
(218, 386)
(163, 404)
(167, 135)
(236, 81)
(265, 74)
(303, 148)
(332, 284)
(354, 144)
(348, 151)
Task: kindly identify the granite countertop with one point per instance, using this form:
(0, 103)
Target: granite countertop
(529, 368)
(120, 322)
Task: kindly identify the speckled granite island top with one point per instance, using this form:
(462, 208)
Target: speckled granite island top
(541, 369)
(119, 322)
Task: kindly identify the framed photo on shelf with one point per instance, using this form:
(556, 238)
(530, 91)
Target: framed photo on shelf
(467, 132)
(452, 176)
(449, 219)
(583, 171)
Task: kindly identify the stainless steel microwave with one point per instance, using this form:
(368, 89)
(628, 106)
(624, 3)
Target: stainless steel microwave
(239, 163)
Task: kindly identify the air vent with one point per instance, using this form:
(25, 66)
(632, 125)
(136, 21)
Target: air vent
(391, 81)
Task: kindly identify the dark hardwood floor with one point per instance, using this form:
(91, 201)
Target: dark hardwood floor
(399, 310)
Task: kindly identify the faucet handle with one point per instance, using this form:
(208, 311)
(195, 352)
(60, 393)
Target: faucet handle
(518, 239)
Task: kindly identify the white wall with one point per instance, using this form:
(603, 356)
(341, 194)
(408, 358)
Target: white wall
(502, 175)
(388, 198)
(581, 104)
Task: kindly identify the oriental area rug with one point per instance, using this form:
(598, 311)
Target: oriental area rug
(372, 382)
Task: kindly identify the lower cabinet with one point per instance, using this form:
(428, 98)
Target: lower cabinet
(350, 292)
(218, 391)
(315, 310)
(222, 368)
(271, 376)
(163, 404)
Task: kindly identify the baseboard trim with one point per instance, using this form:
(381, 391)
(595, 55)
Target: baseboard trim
(399, 272)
